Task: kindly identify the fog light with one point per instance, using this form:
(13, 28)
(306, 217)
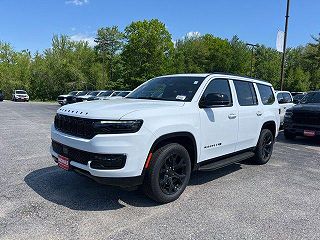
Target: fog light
(108, 161)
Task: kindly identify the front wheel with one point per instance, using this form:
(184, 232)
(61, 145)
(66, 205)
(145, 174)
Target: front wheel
(168, 173)
(264, 147)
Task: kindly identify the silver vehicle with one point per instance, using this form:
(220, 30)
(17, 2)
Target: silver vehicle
(20, 95)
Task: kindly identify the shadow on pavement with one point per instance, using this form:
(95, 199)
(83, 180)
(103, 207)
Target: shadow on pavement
(202, 177)
(81, 193)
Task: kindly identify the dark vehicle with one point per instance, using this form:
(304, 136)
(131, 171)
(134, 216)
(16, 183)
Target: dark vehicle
(95, 95)
(62, 99)
(1, 96)
(297, 98)
(304, 119)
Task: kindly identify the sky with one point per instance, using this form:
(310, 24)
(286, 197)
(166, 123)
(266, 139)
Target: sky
(27, 24)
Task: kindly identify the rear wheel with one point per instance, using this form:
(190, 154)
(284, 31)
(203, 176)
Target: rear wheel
(168, 173)
(264, 147)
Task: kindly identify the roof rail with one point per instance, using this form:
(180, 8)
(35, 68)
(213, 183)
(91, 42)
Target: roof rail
(237, 75)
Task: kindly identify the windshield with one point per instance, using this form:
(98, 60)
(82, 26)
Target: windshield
(73, 93)
(106, 94)
(115, 93)
(312, 97)
(21, 92)
(179, 88)
(94, 93)
(298, 97)
(123, 94)
(83, 93)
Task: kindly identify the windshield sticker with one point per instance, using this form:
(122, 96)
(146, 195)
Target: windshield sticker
(195, 82)
(181, 97)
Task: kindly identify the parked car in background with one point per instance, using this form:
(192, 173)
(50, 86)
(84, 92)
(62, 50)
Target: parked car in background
(95, 95)
(83, 96)
(167, 128)
(122, 94)
(105, 95)
(298, 97)
(285, 101)
(296, 93)
(303, 119)
(1, 96)
(62, 99)
(20, 95)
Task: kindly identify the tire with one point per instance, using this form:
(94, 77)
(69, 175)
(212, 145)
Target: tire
(168, 173)
(264, 147)
(288, 135)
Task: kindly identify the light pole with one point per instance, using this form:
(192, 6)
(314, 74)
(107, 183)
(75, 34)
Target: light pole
(284, 45)
(253, 46)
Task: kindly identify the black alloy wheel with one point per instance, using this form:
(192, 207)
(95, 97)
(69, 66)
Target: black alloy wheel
(172, 174)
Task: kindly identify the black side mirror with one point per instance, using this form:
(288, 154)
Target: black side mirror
(281, 101)
(214, 100)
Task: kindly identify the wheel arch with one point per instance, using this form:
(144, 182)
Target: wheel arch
(271, 125)
(186, 139)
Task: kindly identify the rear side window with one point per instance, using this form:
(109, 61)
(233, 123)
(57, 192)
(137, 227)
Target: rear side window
(245, 93)
(266, 93)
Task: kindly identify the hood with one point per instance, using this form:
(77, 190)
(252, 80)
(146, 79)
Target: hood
(310, 107)
(116, 108)
(63, 96)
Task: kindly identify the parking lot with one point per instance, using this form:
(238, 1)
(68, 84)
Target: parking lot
(279, 200)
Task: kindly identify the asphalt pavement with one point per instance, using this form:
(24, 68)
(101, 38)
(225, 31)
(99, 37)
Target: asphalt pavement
(279, 200)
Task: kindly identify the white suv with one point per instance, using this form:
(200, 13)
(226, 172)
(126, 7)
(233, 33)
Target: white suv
(20, 95)
(285, 101)
(166, 128)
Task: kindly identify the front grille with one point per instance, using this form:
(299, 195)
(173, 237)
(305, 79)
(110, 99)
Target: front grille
(75, 126)
(306, 118)
(79, 99)
(98, 161)
(60, 98)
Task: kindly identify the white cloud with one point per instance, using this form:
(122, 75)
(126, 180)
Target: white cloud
(73, 29)
(77, 2)
(193, 34)
(83, 37)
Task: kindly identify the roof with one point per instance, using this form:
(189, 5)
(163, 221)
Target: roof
(220, 74)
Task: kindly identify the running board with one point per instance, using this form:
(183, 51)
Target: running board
(226, 161)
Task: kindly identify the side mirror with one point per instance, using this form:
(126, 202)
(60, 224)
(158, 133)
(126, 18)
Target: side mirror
(281, 101)
(214, 100)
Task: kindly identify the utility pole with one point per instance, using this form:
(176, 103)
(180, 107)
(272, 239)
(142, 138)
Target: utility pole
(284, 45)
(252, 48)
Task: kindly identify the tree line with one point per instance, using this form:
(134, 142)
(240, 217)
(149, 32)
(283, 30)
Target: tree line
(145, 49)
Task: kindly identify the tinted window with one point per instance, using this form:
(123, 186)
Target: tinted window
(279, 96)
(21, 92)
(220, 86)
(312, 97)
(246, 93)
(180, 88)
(287, 97)
(266, 94)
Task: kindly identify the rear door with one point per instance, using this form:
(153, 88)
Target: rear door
(219, 125)
(250, 114)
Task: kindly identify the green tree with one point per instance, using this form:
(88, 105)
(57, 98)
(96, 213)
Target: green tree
(147, 52)
(109, 42)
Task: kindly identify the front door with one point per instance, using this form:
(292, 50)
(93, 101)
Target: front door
(219, 124)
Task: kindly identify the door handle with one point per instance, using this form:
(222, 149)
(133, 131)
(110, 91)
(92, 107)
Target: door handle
(259, 113)
(232, 116)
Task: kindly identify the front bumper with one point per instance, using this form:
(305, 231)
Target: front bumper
(298, 129)
(134, 146)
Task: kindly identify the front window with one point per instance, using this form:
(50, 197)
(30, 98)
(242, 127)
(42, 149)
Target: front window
(73, 93)
(312, 97)
(180, 88)
(123, 94)
(94, 93)
(83, 93)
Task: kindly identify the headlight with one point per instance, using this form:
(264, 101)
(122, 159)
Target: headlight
(288, 114)
(118, 126)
